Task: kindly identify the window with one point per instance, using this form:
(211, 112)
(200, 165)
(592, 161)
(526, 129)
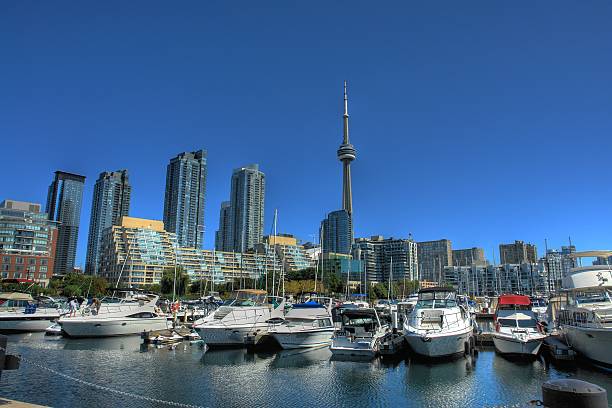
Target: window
(6, 259)
(43, 262)
(32, 261)
(18, 260)
(42, 269)
(18, 268)
(6, 267)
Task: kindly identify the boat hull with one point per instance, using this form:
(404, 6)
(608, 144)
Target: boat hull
(591, 343)
(216, 336)
(439, 344)
(343, 347)
(25, 325)
(507, 344)
(76, 327)
(304, 339)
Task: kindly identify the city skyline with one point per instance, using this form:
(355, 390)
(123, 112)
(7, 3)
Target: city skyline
(460, 136)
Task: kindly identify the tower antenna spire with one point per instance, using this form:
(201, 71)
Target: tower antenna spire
(346, 154)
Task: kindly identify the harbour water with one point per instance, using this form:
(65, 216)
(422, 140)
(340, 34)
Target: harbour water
(189, 375)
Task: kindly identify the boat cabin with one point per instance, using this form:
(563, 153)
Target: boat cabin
(436, 298)
(360, 322)
(15, 300)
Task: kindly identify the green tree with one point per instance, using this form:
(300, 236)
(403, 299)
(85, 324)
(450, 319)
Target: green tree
(167, 281)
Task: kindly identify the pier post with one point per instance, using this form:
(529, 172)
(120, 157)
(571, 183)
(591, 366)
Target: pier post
(7, 361)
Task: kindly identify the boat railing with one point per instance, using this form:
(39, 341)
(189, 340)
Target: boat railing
(445, 324)
(585, 318)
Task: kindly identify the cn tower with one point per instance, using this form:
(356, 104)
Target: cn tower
(346, 154)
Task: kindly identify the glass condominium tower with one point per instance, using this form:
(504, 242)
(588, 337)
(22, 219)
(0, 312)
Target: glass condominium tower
(111, 201)
(185, 198)
(64, 203)
(242, 219)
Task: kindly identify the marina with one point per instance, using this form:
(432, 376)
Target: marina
(188, 374)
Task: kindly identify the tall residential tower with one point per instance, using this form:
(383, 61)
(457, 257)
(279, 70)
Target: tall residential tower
(244, 227)
(184, 199)
(111, 201)
(64, 205)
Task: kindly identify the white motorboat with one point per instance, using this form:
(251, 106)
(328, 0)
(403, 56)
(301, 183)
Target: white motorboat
(438, 326)
(359, 335)
(586, 318)
(248, 313)
(517, 330)
(539, 306)
(115, 319)
(306, 325)
(19, 313)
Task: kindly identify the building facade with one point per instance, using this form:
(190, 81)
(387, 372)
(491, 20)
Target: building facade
(494, 280)
(111, 201)
(557, 264)
(433, 256)
(385, 259)
(518, 252)
(246, 210)
(28, 242)
(222, 236)
(469, 256)
(185, 198)
(64, 202)
(337, 233)
(291, 255)
(136, 252)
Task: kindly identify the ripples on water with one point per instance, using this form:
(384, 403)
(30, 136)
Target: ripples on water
(296, 378)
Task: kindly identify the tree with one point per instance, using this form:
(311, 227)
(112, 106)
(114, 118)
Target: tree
(76, 284)
(167, 281)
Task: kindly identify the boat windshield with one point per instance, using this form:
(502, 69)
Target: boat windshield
(585, 298)
(245, 299)
(521, 323)
(360, 321)
(293, 322)
(436, 300)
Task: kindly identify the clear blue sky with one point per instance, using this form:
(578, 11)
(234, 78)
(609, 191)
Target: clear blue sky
(481, 122)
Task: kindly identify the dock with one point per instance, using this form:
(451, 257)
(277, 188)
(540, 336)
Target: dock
(17, 404)
(392, 343)
(484, 338)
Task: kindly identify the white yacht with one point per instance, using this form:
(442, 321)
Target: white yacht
(115, 319)
(517, 330)
(586, 318)
(359, 335)
(249, 312)
(20, 313)
(306, 325)
(438, 326)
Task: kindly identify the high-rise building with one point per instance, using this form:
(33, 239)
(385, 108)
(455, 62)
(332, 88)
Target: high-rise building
(64, 203)
(433, 257)
(387, 258)
(292, 255)
(557, 265)
(517, 253)
(136, 252)
(185, 198)
(246, 209)
(111, 201)
(346, 154)
(337, 232)
(469, 256)
(222, 236)
(27, 242)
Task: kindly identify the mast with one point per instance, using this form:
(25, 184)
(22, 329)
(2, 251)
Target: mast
(274, 251)
(390, 276)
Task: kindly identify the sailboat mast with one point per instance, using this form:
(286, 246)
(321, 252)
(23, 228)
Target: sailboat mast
(390, 275)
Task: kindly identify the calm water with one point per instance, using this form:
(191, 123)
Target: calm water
(239, 378)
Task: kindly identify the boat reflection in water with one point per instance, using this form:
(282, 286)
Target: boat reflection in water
(301, 358)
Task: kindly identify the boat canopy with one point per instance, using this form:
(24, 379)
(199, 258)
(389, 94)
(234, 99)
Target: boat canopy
(521, 300)
(437, 289)
(252, 291)
(591, 254)
(308, 305)
(359, 312)
(15, 296)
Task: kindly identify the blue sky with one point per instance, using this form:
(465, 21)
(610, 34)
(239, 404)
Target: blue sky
(481, 122)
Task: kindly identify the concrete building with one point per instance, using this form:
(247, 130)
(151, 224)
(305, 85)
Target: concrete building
(111, 201)
(469, 256)
(64, 201)
(384, 258)
(518, 252)
(28, 242)
(221, 267)
(433, 256)
(557, 264)
(494, 280)
(293, 257)
(222, 236)
(136, 252)
(337, 233)
(342, 265)
(246, 210)
(185, 198)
